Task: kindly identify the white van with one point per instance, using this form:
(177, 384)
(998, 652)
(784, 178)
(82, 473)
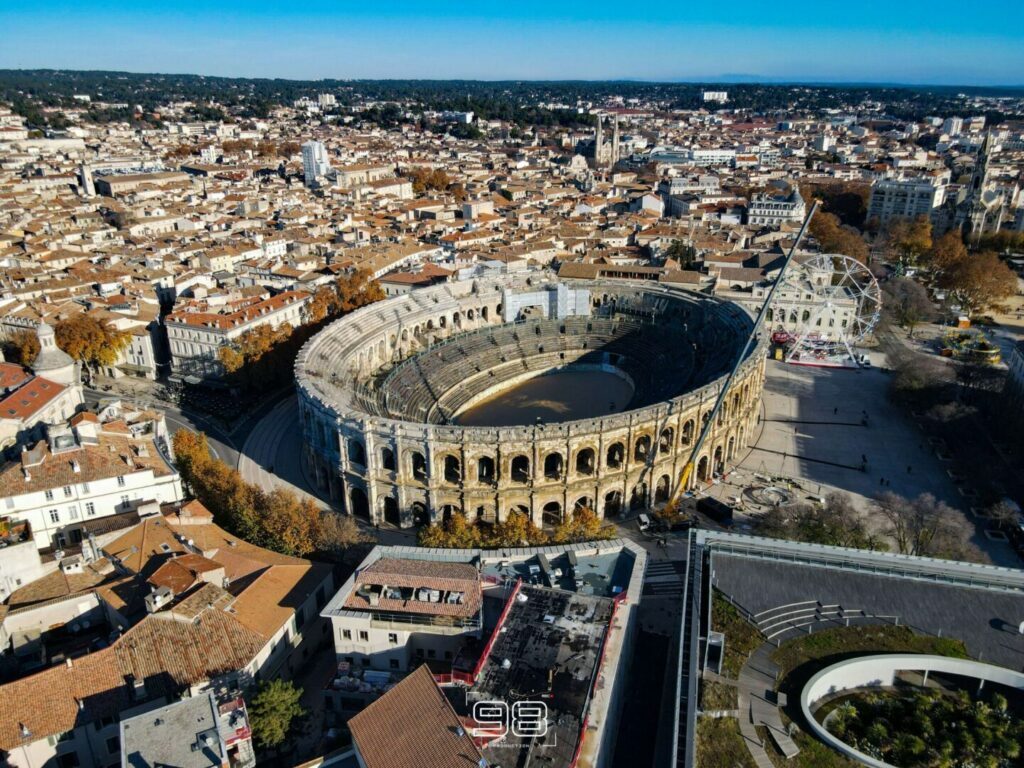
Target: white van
(643, 521)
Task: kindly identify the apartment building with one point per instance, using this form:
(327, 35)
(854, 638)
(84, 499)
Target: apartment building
(217, 615)
(905, 198)
(81, 473)
(196, 333)
(776, 206)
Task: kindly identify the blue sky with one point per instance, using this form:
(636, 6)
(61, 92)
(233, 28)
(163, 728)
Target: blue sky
(906, 41)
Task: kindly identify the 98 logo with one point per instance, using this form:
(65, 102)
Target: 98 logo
(523, 718)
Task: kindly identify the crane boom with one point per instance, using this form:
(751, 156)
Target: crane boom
(687, 472)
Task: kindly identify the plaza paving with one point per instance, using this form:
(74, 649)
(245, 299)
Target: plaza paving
(811, 432)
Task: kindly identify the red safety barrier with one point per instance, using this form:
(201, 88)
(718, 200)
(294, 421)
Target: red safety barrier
(497, 628)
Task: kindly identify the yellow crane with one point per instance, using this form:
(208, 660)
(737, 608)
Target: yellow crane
(709, 423)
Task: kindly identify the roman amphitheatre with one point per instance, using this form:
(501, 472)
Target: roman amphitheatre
(484, 397)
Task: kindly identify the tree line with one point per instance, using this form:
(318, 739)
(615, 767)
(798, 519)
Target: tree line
(277, 520)
(516, 530)
(263, 359)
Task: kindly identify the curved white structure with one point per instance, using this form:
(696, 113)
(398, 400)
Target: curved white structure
(879, 672)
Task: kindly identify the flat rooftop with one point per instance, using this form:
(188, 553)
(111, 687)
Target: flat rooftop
(548, 650)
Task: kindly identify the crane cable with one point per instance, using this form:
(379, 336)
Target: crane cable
(709, 423)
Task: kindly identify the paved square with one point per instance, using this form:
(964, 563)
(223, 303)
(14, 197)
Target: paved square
(812, 431)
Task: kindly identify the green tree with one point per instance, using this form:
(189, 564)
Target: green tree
(273, 710)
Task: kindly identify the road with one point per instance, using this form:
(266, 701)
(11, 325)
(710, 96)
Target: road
(221, 445)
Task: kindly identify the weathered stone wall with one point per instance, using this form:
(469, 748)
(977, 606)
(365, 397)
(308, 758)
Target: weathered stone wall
(396, 471)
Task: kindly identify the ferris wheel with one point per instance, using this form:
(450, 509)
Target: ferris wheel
(833, 303)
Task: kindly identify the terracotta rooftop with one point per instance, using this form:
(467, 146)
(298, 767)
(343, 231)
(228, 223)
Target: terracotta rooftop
(114, 456)
(413, 726)
(409, 577)
(29, 398)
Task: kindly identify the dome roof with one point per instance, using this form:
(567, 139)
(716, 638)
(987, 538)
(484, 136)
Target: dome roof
(50, 357)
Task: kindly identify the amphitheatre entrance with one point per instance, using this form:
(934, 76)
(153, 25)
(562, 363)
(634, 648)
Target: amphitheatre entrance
(562, 395)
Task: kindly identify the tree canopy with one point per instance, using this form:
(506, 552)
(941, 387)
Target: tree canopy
(273, 710)
(278, 520)
(91, 340)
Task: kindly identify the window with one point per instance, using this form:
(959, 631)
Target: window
(67, 491)
(124, 500)
(431, 653)
(364, 636)
(346, 634)
(393, 638)
(300, 618)
(85, 487)
(68, 760)
(393, 663)
(120, 481)
(54, 516)
(49, 495)
(114, 745)
(72, 513)
(90, 508)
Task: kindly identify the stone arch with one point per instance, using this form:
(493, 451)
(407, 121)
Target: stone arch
(521, 509)
(391, 513)
(638, 496)
(418, 466)
(583, 502)
(612, 503)
(586, 461)
(520, 469)
(554, 466)
(702, 469)
(686, 438)
(470, 314)
(551, 513)
(615, 455)
(719, 461)
(448, 511)
(356, 452)
(642, 448)
(730, 451)
(661, 490)
(665, 443)
(387, 459)
(360, 505)
(484, 313)
(452, 472)
(485, 470)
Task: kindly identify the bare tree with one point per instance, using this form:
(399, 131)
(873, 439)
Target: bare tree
(926, 526)
(340, 534)
(836, 522)
(909, 303)
(1004, 513)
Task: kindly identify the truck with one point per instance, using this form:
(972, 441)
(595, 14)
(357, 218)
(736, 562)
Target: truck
(717, 510)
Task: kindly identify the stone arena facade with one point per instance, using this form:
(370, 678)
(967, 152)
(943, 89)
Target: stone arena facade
(380, 390)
